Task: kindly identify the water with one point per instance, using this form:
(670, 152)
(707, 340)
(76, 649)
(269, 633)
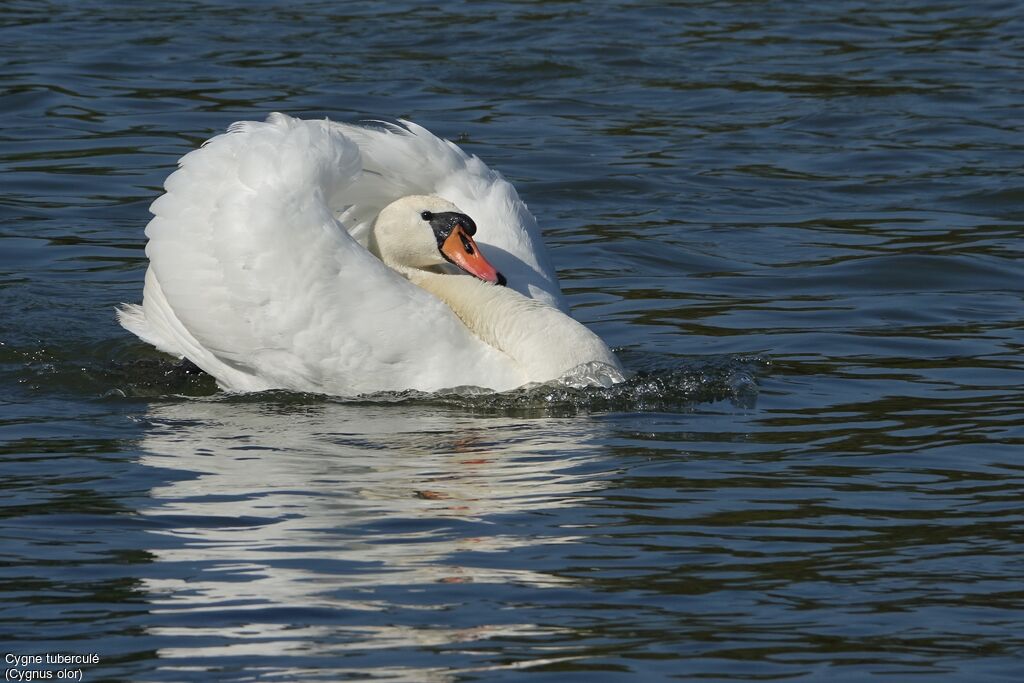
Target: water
(799, 224)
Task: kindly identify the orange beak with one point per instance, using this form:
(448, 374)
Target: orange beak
(461, 250)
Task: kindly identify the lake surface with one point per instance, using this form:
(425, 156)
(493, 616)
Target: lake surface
(800, 225)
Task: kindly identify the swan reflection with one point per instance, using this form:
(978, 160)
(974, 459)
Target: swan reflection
(354, 509)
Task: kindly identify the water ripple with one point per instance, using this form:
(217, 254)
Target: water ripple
(799, 229)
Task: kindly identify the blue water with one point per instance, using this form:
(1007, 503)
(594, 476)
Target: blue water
(800, 225)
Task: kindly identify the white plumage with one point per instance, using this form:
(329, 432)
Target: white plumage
(260, 271)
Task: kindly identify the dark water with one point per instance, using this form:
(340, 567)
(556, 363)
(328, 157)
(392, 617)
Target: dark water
(801, 223)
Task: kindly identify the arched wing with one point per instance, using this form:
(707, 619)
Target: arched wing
(257, 281)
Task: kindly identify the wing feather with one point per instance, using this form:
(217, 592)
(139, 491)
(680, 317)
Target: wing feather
(255, 277)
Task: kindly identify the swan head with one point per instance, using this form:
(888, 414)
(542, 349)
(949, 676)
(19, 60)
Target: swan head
(421, 232)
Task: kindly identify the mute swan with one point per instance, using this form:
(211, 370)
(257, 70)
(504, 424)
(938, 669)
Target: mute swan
(332, 258)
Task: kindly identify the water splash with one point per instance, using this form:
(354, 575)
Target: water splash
(654, 383)
(662, 388)
(664, 385)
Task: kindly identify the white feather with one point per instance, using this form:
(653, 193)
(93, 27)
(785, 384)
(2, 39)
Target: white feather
(260, 275)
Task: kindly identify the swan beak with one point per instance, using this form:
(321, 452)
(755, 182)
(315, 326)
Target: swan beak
(460, 249)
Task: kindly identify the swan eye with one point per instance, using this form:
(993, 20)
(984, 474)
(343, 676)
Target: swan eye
(426, 215)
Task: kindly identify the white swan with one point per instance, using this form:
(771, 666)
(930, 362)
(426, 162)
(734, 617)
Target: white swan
(315, 256)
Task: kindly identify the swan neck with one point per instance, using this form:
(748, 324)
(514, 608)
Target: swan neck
(487, 310)
(542, 340)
